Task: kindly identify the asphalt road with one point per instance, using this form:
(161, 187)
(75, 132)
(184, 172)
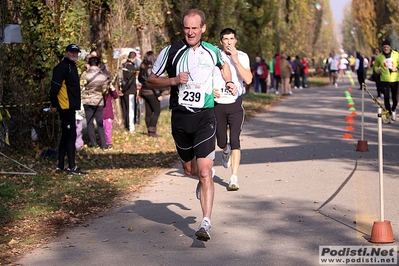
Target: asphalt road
(302, 185)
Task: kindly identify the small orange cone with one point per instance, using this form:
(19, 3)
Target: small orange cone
(349, 128)
(350, 89)
(354, 113)
(350, 121)
(347, 136)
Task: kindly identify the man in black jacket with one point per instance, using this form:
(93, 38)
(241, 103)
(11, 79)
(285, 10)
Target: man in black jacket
(65, 97)
(129, 91)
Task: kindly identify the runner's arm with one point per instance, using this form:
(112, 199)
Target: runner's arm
(159, 82)
(226, 74)
(245, 73)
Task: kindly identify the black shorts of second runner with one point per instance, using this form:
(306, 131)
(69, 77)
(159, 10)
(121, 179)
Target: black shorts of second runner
(232, 116)
(334, 73)
(194, 134)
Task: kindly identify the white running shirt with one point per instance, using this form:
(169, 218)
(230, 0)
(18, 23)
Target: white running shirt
(226, 96)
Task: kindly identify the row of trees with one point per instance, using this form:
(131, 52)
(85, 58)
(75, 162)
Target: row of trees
(264, 27)
(367, 23)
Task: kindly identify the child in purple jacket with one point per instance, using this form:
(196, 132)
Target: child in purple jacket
(108, 115)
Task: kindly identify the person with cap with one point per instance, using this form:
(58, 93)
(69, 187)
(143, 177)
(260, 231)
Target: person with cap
(386, 66)
(65, 98)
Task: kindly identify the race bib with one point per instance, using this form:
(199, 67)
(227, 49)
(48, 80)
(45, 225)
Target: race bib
(192, 94)
(388, 63)
(225, 93)
(225, 96)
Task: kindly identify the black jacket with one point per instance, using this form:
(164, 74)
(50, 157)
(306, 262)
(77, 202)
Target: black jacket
(129, 78)
(65, 86)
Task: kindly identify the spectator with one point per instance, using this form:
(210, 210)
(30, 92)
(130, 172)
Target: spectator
(263, 76)
(129, 92)
(277, 73)
(151, 97)
(305, 74)
(298, 69)
(286, 69)
(271, 71)
(65, 98)
(108, 115)
(255, 74)
(359, 67)
(93, 101)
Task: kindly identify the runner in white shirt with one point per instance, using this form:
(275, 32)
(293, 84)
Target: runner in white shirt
(190, 66)
(333, 62)
(229, 110)
(343, 63)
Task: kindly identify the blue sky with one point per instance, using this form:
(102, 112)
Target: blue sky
(337, 7)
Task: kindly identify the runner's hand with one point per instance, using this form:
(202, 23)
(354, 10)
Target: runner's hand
(232, 88)
(216, 93)
(233, 52)
(182, 78)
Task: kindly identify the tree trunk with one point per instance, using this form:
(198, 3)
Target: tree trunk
(144, 33)
(100, 33)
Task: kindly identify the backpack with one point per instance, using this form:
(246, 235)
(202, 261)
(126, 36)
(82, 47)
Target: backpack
(259, 70)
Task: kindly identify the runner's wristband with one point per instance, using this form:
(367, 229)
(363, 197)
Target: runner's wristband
(227, 82)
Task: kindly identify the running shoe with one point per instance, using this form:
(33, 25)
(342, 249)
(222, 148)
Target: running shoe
(203, 230)
(198, 189)
(226, 157)
(76, 171)
(59, 170)
(109, 147)
(394, 115)
(233, 184)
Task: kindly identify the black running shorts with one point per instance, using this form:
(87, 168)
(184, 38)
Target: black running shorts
(194, 134)
(229, 116)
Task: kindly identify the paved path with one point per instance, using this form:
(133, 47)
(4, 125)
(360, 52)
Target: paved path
(302, 185)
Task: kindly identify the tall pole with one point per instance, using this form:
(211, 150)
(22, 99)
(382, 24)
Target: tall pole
(362, 131)
(382, 230)
(380, 165)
